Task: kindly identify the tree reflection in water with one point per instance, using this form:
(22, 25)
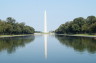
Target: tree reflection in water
(80, 44)
(11, 44)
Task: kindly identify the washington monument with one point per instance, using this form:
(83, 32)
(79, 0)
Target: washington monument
(45, 22)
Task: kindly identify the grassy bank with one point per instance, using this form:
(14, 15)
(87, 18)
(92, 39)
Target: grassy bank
(83, 35)
(15, 35)
(78, 35)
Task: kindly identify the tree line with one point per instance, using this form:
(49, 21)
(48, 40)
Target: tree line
(10, 26)
(78, 25)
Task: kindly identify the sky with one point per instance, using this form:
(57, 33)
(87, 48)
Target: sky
(58, 11)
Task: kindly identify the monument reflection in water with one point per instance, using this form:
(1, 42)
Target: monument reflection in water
(45, 45)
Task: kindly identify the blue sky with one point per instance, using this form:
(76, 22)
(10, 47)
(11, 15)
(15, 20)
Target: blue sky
(58, 11)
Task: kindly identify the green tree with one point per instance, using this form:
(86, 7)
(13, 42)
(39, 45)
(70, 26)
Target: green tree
(76, 28)
(91, 19)
(93, 28)
(8, 29)
(85, 28)
(10, 20)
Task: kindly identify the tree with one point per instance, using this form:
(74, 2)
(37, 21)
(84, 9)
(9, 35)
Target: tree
(93, 28)
(90, 19)
(1, 26)
(76, 28)
(10, 20)
(17, 29)
(9, 29)
(85, 28)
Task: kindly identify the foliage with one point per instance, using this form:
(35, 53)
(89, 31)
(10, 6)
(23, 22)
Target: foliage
(10, 26)
(78, 25)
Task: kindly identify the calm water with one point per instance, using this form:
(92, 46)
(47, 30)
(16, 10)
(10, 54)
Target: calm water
(47, 49)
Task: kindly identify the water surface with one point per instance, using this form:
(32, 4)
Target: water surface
(48, 49)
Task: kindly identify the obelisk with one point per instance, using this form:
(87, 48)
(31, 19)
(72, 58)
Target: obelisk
(45, 22)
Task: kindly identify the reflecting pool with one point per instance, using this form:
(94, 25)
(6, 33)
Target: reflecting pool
(48, 49)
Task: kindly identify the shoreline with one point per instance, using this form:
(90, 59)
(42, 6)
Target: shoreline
(79, 35)
(21, 35)
(73, 35)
